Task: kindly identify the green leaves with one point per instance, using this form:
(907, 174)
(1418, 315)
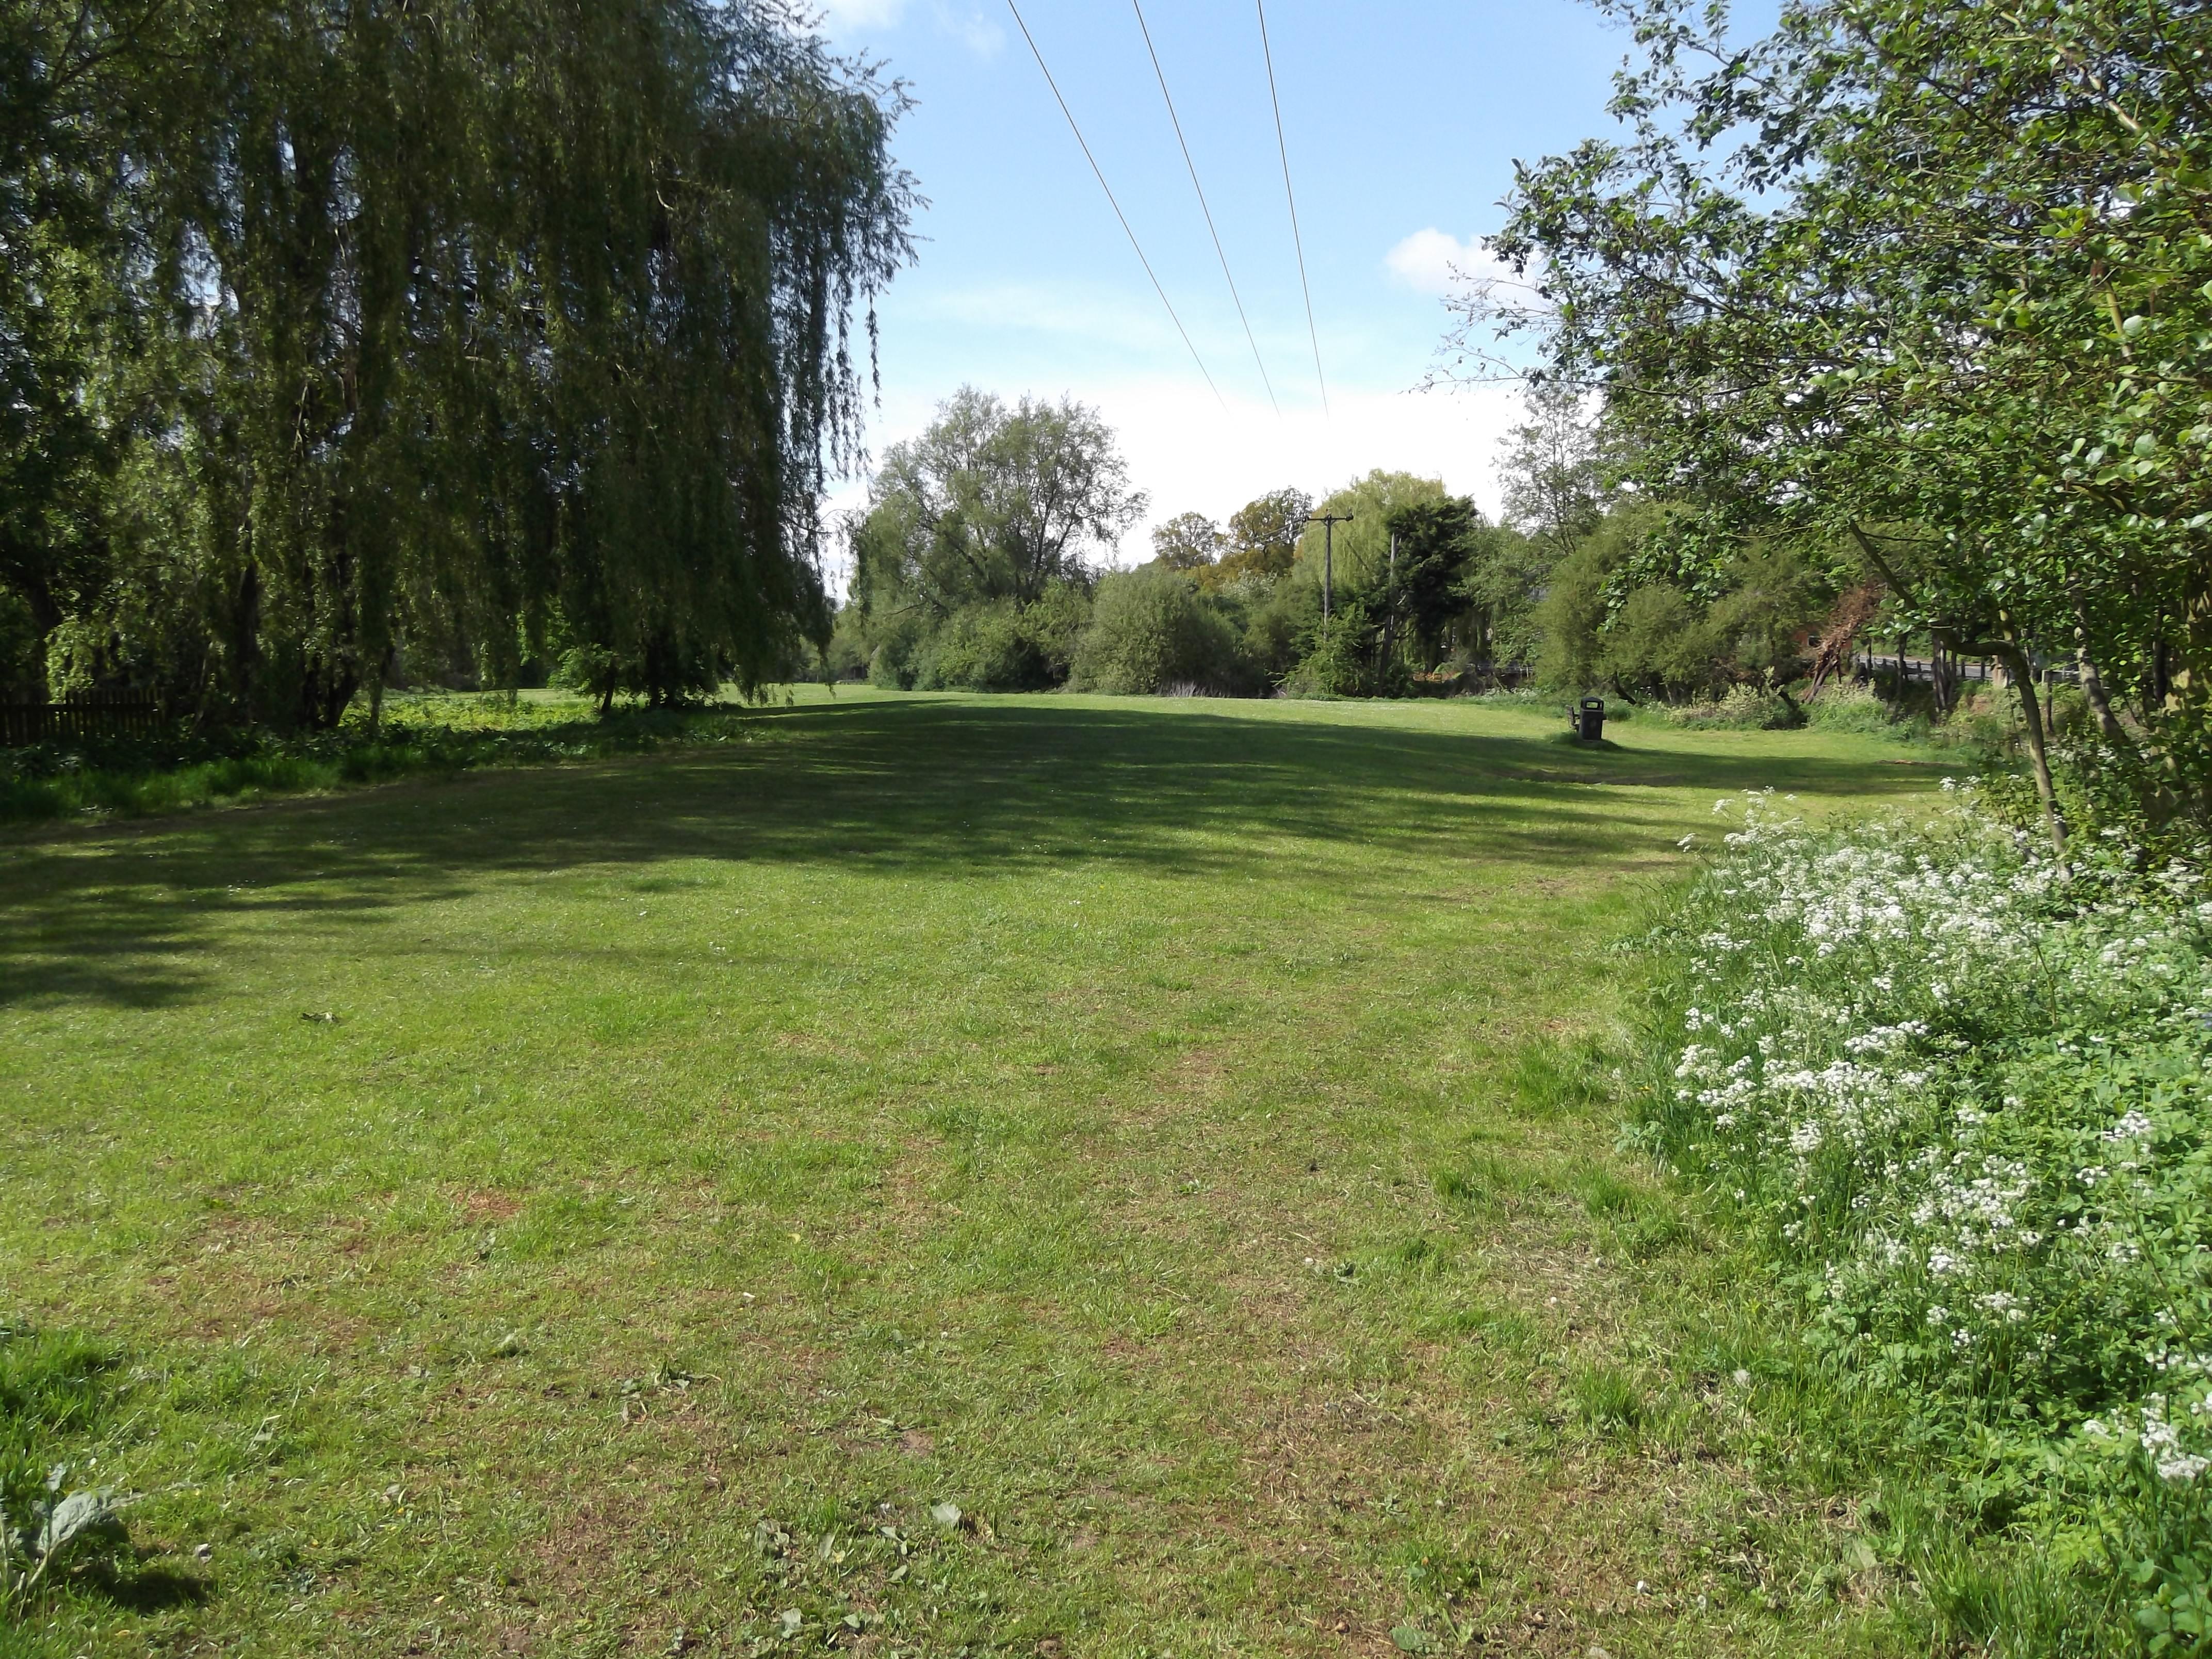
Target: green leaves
(1960, 1091)
(528, 339)
(1929, 277)
(57, 1524)
(81, 1515)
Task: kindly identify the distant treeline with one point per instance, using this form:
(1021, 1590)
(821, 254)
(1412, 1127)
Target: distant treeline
(976, 565)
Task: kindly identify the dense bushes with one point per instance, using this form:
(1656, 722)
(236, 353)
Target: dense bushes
(1151, 631)
(1742, 708)
(1145, 631)
(990, 646)
(1605, 620)
(1964, 1093)
(986, 648)
(1851, 706)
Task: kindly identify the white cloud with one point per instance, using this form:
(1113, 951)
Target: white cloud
(979, 34)
(1092, 314)
(967, 23)
(1189, 456)
(841, 16)
(1432, 261)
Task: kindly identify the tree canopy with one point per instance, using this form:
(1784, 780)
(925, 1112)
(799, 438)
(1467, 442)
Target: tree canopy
(1923, 280)
(1362, 548)
(1551, 477)
(1189, 541)
(992, 502)
(342, 342)
(1263, 536)
(974, 560)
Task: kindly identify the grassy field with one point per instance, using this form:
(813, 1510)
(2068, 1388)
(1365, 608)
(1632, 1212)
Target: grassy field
(1029, 1175)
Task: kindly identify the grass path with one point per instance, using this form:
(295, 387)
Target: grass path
(1165, 1131)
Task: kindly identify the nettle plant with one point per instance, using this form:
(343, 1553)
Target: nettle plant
(1962, 1087)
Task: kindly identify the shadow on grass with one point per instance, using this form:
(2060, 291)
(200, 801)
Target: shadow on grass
(117, 914)
(148, 1586)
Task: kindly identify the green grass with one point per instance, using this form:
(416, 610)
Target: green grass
(551, 1210)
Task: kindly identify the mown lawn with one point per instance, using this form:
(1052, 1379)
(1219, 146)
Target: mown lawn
(604, 1208)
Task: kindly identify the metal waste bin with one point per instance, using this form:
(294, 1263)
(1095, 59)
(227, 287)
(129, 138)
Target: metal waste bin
(1589, 719)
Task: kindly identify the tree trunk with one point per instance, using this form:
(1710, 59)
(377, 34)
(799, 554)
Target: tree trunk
(2092, 683)
(2186, 699)
(2031, 708)
(2093, 688)
(245, 642)
(45, 616)
(37, 594)
(1835, 654)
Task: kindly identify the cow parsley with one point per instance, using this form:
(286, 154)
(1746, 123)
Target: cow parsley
(1966, 1090)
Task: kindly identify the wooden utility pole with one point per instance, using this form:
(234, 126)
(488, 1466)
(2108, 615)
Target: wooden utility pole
(1328, 522)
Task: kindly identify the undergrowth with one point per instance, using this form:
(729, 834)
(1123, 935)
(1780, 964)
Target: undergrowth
(175, 771)
(1955, 1092)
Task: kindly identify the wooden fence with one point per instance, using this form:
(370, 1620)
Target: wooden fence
(99, 715)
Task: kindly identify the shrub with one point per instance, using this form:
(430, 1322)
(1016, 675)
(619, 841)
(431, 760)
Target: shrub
(990, 646)
(1742, 708)
(1963, 1094)
(850, 655)
(1150, 629)
(894, 658)
(1850, 706)
(1337, 658)
(179, 768)
(1269, 615)
(1659, 638)
(1570, 618)
(983, 648)
(1055, 622)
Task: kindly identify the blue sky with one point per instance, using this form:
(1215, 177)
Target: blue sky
(1403, 120)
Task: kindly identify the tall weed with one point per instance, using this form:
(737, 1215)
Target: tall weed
(1850, 706)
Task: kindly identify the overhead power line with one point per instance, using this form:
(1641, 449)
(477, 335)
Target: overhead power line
(1100, 175)
(1220, 252)
(1296, 241)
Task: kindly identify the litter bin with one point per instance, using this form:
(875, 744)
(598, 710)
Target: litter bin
(1589, 719)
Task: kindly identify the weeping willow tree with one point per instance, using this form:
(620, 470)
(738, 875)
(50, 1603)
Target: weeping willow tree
(435, 332)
